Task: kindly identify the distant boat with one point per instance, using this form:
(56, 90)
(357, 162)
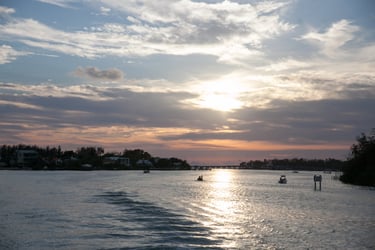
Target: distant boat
(86, 167)
(200, 178)
(283, 179)
(146, 164)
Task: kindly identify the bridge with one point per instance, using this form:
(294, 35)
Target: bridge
(216, 167)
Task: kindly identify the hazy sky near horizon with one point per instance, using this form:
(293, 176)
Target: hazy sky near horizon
(212, 82)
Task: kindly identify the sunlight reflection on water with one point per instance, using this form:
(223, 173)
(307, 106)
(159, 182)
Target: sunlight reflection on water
(229, 214)
(223, 207)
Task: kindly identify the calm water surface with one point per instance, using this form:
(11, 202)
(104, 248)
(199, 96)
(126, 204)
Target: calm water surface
(231, 209)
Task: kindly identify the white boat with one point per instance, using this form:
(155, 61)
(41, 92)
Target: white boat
(283, 179)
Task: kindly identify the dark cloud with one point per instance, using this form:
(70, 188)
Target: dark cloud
(114, 107)
(95, 73)
(323, 120)
(285, 122)
(295, 123)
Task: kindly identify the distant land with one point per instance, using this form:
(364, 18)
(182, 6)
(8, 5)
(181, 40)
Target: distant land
(95, 158)
(358, 169)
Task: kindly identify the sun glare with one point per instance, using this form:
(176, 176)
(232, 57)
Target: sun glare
(219, 95)
(220, 101)
(222, 177)
(221, 192)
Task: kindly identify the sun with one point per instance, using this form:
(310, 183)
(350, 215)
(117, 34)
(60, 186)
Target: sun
(219, 101)
(220, 95)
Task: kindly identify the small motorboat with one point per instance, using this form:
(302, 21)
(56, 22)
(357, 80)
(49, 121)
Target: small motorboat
(200, 178)
(283, 179)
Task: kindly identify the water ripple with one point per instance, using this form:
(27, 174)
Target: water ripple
(163, 228)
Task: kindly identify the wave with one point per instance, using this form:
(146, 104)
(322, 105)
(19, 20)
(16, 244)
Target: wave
(163, 228)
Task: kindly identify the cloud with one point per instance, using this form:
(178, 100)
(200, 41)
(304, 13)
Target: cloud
(8, 54)
(296, 89)
(114, 116)
(95, 73)
(104, 11)
(285, 65)
(6, 12)
(334, 38)
(291, 125)
(174, 28)
(59, 3)
(284, 121)
(18, 104)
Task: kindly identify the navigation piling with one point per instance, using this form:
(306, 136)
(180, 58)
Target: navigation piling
(318, 178)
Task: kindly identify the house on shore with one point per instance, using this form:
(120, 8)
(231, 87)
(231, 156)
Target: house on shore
(26, 158)
(116, 161)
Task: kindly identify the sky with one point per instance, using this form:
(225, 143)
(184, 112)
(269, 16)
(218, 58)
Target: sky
(211, 82)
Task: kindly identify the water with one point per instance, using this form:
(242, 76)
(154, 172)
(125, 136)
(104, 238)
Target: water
(230, 209)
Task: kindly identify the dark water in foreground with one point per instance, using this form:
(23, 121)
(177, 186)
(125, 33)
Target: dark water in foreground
(231, 209)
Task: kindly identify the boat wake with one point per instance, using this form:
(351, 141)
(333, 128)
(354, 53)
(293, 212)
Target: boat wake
(164, 229)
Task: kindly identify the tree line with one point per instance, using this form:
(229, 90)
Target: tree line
(54, 158)
(295, 164)
(358, 168)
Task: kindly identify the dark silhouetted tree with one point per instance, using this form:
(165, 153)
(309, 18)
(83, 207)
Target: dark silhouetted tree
(360, 167)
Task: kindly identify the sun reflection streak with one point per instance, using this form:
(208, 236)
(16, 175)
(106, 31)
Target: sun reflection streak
(221, 193)
(221, 206)
(232, 212)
